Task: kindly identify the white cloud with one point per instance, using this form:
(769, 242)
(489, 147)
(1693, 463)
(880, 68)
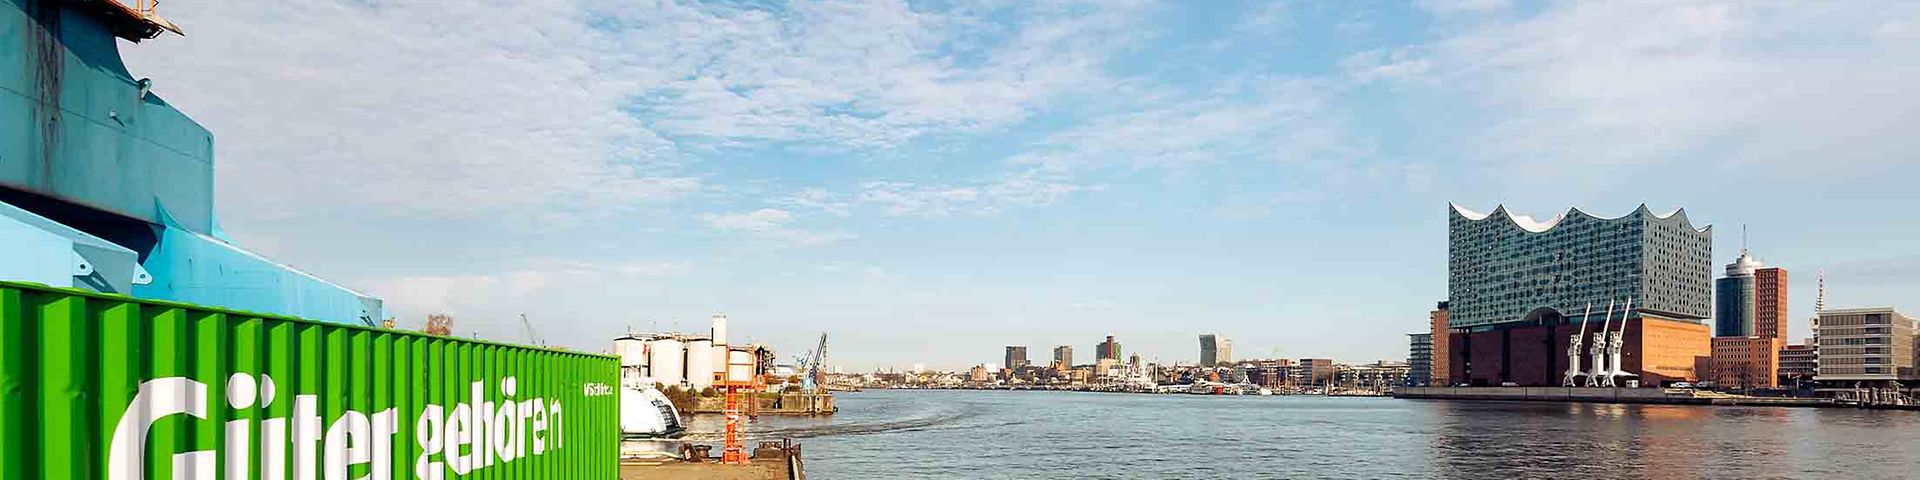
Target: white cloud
(857, 74)
(761, 220)
(771, 223)
(330, 112)
(420, 295)
(1459, 6)
(1025, 189)
(1612, 88)
(1252, 119)
(1398, 65)
(325, 111)
(817, 199)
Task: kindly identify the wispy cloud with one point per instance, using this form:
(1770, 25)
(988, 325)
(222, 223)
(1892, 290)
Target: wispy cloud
(1263, 119)
(771, 223)
(856, 74)
(1397, 65)
(407, 109)
(1460, 6)
(1615, 86)
(817, 199)
(418, 295)
(1027, 189)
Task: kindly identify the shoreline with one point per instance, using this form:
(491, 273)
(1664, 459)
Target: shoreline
(1621, 395)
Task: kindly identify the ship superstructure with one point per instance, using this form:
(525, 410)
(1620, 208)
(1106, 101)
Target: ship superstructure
(106, 187)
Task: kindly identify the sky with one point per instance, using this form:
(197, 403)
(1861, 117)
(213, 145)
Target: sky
(928, 182)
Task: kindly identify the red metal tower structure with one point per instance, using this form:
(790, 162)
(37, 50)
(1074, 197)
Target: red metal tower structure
(740, 381)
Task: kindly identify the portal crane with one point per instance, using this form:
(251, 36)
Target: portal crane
(811, 376)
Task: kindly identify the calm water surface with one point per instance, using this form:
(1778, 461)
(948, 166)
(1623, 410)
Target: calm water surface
(980, 434)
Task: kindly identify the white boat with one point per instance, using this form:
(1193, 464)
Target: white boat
(645, 412)
(1252, 389)
(1203, 387)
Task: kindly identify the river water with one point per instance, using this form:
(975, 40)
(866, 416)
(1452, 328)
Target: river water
(887, 434)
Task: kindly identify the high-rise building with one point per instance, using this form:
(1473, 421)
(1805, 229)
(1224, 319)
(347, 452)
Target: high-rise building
(1108, 350)
(1442, 362)
(1518, 288)
(1420, 358)
(1063, 356)
(1016, 357)
(1734, 298)
(1749, 314)
(1226, 352)
(1865, 345)
(1503, 267)
(1770, 302)
(1209, 350)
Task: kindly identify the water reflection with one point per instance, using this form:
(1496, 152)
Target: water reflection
(1067, 435)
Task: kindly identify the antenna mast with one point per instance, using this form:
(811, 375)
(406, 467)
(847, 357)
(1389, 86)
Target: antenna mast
(1820, 302)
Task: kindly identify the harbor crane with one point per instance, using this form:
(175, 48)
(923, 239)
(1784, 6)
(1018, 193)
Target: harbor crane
(810, 375)
(532, 337)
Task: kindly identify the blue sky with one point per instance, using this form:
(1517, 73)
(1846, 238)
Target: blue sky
(930, 181)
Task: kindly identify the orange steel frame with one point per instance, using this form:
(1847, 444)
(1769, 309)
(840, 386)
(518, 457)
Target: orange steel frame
(739, 407)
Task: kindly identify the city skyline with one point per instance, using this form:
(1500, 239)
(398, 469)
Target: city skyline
(1022, 174)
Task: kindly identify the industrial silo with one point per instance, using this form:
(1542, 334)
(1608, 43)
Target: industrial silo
(741, 365)
(666, 359)
(699, 363)
(633, 358)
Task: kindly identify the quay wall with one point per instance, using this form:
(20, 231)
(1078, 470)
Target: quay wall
(1658, 396)
(784, 404)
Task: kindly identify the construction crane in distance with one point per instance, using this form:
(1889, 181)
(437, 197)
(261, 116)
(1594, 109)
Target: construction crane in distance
(532, 337)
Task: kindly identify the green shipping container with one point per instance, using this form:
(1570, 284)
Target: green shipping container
(96, 386)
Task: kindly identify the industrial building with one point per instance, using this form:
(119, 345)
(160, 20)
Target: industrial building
(685, 360)
(1519, 287)
(106, 187)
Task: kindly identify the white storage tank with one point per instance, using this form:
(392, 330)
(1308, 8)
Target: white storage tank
(719, 332)
(742, 365)
(631, 350)
(665, 357)
(699, 363)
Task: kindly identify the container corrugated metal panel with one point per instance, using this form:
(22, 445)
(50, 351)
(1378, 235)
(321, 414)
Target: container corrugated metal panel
(96, 386)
